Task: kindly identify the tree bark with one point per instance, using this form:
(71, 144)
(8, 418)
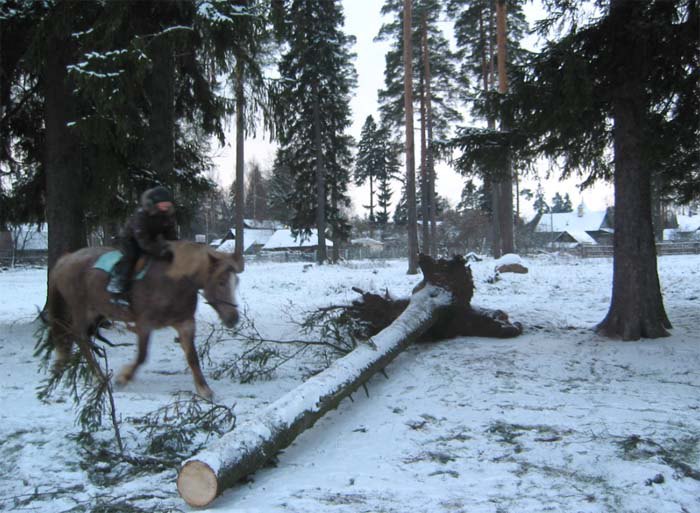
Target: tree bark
(161, 92)
(636, 308)
(240, 159)
(65, 213)
(321, 254)
(430, 160)
(410, 147)
(425, 207)
(503, 184)
(243, 451)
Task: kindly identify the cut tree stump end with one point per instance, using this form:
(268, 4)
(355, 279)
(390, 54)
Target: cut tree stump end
(197, 483)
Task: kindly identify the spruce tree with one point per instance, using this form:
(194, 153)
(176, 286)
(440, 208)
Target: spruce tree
(280, 189)
(620, 80)
(376, 163)
(369, 161)
(256, 193)
(313, 115)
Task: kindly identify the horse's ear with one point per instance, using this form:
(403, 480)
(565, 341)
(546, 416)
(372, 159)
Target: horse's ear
(238, 263)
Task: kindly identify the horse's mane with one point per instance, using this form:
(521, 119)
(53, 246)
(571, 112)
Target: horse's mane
(191, 260)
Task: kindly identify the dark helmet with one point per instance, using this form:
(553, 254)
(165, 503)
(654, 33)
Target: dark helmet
(151, 197)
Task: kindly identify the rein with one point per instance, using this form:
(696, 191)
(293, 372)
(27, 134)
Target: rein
(217, 301)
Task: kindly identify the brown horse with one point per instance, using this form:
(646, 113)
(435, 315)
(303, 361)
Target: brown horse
(165, 296)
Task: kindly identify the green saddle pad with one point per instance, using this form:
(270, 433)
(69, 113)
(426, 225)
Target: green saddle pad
(109, 260)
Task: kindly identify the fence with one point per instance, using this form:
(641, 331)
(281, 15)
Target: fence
(352, 253)
(662, 248)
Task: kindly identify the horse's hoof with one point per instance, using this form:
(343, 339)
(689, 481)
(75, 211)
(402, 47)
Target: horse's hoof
(122, 379)
(206, 393)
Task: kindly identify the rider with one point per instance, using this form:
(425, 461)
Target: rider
(146, 232)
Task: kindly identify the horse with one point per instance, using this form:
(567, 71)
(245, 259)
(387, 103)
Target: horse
(166, 296)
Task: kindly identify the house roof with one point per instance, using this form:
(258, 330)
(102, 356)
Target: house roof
(265, 224)
(688, 223)
(250, 237)
(366, 241)
(282, 239)
(579, 236)
(566, 222)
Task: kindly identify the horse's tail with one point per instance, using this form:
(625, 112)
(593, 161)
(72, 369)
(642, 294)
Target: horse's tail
(59, 334)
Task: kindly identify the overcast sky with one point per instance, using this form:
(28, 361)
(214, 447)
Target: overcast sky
(363, 20)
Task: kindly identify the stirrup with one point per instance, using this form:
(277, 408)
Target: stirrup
(120, 301)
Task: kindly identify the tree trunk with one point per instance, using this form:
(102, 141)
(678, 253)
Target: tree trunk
(425, 206)
(321, 254)
(503, 184)
(430, 160)
(247, 448)
(410, 149)
(636, 308)
(240, 156)
(371, 199)
(657, 212)
(65, 213)
(335, 251)
(161, 94)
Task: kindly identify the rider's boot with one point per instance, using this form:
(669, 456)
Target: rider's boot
(117, 287)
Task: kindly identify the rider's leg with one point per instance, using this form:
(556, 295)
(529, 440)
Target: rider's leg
(121, 277)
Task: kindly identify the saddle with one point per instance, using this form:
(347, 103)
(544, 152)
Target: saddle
(116, 286)
(109, 261)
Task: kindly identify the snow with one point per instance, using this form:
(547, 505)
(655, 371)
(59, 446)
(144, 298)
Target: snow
(688, 223)
(30, 237)
(581, 236)
(291, 407)
(282, 239)
(508, 259)
(250, 238)
(366, 241)
(558, 419)
(588, 221)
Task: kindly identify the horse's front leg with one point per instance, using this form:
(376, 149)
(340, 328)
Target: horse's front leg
(185, 331)
(128, 371)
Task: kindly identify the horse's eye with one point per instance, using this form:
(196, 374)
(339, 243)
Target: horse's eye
(222, 283)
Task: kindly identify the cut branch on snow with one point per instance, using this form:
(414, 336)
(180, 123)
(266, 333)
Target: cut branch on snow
(243, 451)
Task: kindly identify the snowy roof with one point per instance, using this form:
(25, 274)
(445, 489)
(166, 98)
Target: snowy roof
(284, 239)
(688, 223)
(250, 237)
(566, 222)
(255, 224)
(228, 246)
(366, 241)
(216, 242)
(579, 236)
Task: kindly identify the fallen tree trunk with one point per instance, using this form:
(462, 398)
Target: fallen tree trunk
(246, 449)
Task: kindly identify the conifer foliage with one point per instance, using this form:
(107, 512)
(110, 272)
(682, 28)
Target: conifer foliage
(317, 78)
(624, 79)
(377, 163)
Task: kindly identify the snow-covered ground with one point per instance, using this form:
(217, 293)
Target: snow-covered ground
(557, 419)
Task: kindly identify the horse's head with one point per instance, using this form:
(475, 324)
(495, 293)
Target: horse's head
(220, 288)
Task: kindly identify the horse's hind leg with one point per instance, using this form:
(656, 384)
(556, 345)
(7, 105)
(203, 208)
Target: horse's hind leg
(62, 342)
(186, 331)
(128, 371)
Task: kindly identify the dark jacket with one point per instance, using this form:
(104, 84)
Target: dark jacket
(150, 231)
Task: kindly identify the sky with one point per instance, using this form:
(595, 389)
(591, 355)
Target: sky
(363, 20)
